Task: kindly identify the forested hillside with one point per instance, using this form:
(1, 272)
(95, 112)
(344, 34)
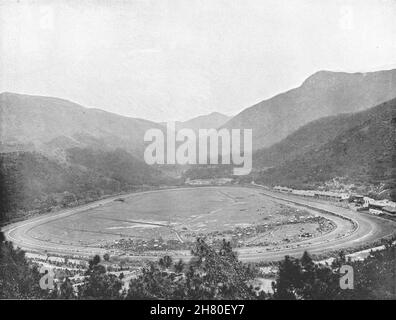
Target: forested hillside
(32, 181)
(363, 152)
(315, 134)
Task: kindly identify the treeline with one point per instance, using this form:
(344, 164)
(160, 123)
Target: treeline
(32, 181)
(211, 274)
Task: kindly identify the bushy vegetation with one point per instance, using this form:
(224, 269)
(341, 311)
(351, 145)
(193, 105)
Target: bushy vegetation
(211, 274)
(18, 280)
(303, 279)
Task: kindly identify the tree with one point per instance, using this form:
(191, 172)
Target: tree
(289, 280)
(179, 266)
(94, 263)
(303, 279)
(66, 290)
(18, 279)
(210, 274)
(165, 262)
(99, 284)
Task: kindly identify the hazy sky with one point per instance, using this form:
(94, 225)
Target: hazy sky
(176, 59)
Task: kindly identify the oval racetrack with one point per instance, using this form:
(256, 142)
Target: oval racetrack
(353, 229)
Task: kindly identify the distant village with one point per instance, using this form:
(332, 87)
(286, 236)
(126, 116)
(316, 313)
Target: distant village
(362, 203)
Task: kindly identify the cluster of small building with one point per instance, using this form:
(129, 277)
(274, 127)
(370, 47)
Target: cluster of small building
(327, 195)
(376, 207)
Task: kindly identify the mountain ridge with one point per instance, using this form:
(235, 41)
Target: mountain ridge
(34, 122)
(360, 150)
(311, 136)
(324, 93)
(211, 120)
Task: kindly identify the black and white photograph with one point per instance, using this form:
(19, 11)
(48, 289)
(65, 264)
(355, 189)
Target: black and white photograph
(197, 154)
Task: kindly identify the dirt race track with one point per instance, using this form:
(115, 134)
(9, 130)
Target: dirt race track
(352, 228)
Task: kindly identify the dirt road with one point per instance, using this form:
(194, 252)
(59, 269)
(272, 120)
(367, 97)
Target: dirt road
(353, 229)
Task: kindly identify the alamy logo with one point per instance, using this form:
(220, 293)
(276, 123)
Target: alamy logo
(47, 280)
(184, 147)
(346, 280)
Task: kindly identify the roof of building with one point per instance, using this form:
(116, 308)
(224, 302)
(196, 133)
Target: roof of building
(390, 209)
